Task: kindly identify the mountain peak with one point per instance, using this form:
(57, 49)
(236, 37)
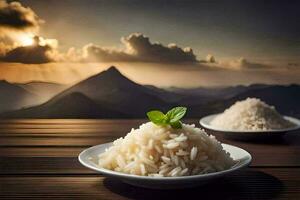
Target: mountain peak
(112, 74)
(4, 82)
(113, 70)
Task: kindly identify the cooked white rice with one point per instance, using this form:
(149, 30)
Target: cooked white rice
(251, 114)
(162, 151)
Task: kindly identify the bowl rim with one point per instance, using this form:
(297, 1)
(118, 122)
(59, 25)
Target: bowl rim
(239, 165)
(205, 122)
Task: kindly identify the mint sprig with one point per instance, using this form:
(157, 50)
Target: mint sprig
(172, 117)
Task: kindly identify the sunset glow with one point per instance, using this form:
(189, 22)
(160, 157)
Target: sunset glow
(26, 40)
(78, 73)
(36, 45)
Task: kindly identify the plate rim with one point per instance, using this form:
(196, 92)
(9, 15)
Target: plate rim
(180, 178)
(294, 120)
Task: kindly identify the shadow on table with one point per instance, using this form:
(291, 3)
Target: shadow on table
(247, 184)
(275, 140)
(282, 140)
(289, 138)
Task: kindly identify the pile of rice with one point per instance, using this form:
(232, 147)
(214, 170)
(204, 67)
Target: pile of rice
(251, 114)
(162, 151)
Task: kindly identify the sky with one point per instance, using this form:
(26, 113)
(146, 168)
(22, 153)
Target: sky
(248, 41)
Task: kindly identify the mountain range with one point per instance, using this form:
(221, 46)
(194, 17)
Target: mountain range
(44, 90)
(13, 96)
(16, 95)
(110, 94)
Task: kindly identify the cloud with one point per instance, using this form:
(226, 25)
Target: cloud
(241, 64)
(139, 48)
(41, 51)
(17, 17)
(244, 63)
(4, 48)
(94, 53)
(18, 25)
(210, 59)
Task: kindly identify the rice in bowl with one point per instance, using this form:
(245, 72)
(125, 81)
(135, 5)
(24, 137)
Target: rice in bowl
(161, 151)
(251, 114)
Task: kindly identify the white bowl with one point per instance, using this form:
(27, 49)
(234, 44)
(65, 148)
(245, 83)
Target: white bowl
(249, 134)
(89, 157)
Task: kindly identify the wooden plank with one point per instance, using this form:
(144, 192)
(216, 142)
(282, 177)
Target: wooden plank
(69, 164)
(263, 155)
(40, 151)
(63, 135)
(15, 137)
(6, 122)
(77, 123)
(69, 131)
(42, 165)
(65, 126)
(247, 184)
(285, 153)
(38, 159)
(54, 141)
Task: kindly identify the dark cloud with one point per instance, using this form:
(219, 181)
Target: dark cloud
(139, 48)
(18, 24)
(32, 54)
(147, 51)
(15, 16)
(96, 53)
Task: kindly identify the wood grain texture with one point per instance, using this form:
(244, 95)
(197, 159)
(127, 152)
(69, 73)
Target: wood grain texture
(58, 164)
(248, 184)
(18, 151)
(38, 160)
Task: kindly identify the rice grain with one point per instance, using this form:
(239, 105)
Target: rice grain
(158, 151)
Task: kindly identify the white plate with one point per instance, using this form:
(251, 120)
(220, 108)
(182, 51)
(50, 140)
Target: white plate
(89, 157)
(238, 134)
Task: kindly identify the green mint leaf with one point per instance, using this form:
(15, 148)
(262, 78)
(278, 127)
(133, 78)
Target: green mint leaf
(172, 117)
(176, 125)
(175, 114)
(157, 117)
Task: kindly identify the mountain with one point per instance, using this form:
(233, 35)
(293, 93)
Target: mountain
(17, 95)
(14, 96)
(110, 94)
(115, 91)
(216, 92)
(44, 90)
(165, 95)
(73, 105)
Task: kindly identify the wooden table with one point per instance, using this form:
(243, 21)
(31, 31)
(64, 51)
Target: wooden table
(38, 160)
